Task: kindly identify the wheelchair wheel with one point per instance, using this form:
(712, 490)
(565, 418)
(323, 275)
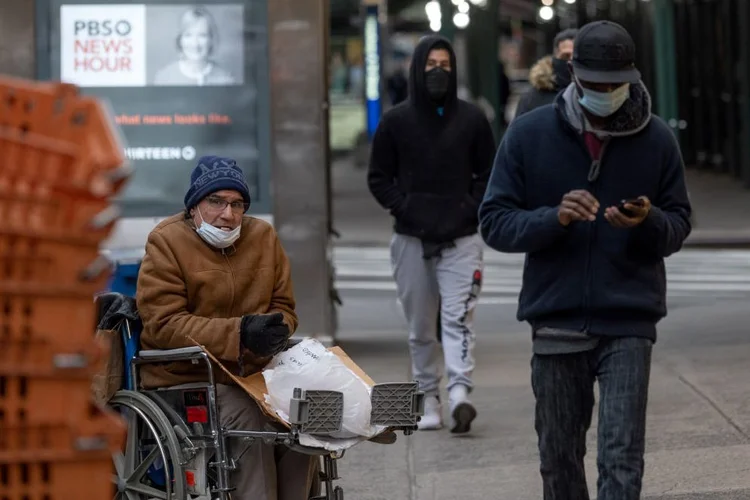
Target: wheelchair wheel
(150, 466)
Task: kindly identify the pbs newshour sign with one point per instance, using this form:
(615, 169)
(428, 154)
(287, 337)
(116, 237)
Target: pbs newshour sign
(183, 80)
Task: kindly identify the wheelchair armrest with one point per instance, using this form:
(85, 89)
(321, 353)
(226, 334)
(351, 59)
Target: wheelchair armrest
(154, 356)
(181, 354)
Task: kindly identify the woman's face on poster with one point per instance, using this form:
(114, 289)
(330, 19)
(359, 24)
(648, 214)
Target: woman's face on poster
(196, 40)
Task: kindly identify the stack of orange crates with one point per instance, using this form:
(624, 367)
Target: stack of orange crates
(61, 162)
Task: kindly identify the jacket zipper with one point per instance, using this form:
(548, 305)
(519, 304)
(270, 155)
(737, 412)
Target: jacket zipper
(231, 272)
(595, 167)
(241, 370)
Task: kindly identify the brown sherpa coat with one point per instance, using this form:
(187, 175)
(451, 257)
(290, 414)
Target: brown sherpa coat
(187, 290)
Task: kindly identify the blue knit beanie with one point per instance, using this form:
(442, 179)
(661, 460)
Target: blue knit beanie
(212, 174)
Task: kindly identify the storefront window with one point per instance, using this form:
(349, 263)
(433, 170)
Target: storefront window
(346, 91)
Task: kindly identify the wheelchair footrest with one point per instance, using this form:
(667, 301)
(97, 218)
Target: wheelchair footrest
(317, 412)
(396, 405)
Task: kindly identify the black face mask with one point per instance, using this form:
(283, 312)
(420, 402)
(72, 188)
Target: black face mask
(437, 81)
(562, 72)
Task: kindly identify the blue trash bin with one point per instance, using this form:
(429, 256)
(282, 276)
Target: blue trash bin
(125, 278)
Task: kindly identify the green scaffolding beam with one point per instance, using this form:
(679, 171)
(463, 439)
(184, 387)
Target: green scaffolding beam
(744, 81)
(481, 48)
(447, 28)
(667, 104)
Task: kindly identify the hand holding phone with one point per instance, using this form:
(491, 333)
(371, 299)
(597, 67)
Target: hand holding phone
(638, 202)
(629, 212)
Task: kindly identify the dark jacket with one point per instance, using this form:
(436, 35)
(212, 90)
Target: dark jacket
(588, 277)
(545, 85)
(398, 87)
(429, 164)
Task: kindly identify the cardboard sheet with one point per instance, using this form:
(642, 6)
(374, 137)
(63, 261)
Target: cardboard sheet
(255, 384)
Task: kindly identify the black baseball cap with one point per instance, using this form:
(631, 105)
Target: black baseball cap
(604, 52)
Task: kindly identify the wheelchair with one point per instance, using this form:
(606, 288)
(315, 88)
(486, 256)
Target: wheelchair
(176, 449)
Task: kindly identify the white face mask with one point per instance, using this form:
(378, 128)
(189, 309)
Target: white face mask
(216, 237)
(604, 103)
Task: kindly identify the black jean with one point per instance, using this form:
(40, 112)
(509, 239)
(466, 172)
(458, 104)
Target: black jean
(564, 389)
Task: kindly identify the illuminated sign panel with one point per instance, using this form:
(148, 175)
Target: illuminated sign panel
(372, 68)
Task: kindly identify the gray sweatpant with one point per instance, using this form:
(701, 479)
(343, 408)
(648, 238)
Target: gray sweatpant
(446, 286)
(264, 472)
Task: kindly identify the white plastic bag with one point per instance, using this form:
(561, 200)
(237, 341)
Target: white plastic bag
(310, 366)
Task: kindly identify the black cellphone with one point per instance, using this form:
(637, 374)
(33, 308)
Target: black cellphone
(624, 211)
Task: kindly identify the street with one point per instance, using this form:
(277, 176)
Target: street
(692, 274)
(699, 411)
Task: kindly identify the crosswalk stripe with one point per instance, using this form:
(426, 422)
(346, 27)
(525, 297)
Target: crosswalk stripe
(692, 272)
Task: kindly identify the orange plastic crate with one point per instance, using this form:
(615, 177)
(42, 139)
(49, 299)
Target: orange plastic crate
(30, 358)
(99, 430)
(62, 161)
(61, 316)
(64, 139)
(69, 476)
(48, 208)
(43, 401)
(49, 262)
(93, 237)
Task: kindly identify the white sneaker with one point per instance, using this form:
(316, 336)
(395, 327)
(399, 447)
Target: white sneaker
(463, 412)
(432, 419)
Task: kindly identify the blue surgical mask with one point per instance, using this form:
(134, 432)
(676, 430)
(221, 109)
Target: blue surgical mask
(604, 103)
(216, 237)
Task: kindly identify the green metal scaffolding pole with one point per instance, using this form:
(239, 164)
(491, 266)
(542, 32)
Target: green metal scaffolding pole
(744, 81)
(482, 51)
(667, 105)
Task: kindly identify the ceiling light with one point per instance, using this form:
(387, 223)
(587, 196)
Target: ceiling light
(461, 20)
(432, 9)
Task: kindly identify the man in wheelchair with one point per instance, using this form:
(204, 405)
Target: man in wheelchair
(219, 278)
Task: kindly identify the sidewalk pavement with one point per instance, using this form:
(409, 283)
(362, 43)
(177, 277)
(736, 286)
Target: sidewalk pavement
(721, 209)
(698, 436)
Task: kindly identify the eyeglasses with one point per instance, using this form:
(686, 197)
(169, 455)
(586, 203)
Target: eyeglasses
(219, 205)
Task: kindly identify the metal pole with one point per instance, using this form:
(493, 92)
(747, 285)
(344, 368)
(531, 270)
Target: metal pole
(17, 56)
(666, 71)
(744, 88)
(300, 168)
(482, 35)
(448, 29)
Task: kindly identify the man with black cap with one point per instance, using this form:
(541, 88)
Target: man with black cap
(592, 189)
(430, 161)
(549, 75)
(215, 276)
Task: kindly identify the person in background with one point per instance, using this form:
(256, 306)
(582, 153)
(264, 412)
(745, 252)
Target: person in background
(592, 190)
(430, 160)
(504, 93)
(339, 74)
(549, 75)
(398, 84)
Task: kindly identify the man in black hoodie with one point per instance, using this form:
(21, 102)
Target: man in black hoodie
(549, 75)
(430, 162)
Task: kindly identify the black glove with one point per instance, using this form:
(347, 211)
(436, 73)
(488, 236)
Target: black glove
(264, 334)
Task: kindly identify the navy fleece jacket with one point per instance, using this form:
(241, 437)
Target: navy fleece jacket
(589, 276)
